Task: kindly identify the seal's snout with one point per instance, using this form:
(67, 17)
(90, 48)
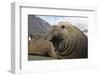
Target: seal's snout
(56, 38)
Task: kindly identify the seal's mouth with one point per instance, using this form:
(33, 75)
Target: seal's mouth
(56, 38)
(56, 41)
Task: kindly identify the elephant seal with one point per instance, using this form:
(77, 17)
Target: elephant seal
(68, 40)
(39, 45)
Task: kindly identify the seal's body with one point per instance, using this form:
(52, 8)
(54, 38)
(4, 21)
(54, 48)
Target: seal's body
(68, 40)
(39, 45)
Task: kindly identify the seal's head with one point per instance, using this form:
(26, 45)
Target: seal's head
(67, 38)
(58, 33)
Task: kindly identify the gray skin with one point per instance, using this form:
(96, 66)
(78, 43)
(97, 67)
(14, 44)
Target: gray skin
(69, 41)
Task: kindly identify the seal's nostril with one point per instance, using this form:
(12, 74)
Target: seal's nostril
(56, 38)
(53, 39)
(62, 26)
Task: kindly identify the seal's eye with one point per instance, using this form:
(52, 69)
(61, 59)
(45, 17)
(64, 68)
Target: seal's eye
(62, 26)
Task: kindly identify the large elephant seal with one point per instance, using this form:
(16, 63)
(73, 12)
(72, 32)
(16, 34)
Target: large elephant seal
(68, 40)
(39, 45)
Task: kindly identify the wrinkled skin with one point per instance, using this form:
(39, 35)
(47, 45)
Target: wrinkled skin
(68, 40)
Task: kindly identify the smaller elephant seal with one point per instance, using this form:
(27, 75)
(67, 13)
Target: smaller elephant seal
(40, 46)
(68, 40)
